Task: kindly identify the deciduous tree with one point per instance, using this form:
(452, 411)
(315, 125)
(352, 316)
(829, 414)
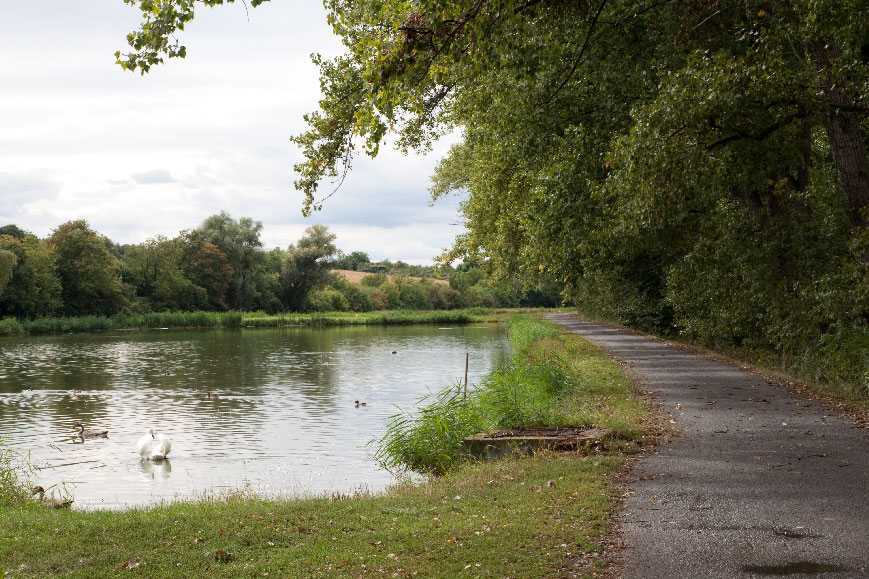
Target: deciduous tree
(33, 289)
(239, 241)
(306, 265)
(89, 274)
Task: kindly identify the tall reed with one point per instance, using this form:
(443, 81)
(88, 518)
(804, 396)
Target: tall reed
(15, 476)
(521, 392)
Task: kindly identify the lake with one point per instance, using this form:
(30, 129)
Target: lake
(285, 423)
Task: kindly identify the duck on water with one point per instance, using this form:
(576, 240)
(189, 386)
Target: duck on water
(89, 433)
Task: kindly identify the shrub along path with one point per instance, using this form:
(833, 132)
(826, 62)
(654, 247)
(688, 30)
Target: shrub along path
(757, 482)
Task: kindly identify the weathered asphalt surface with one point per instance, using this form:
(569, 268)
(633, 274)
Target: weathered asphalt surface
(758, 482)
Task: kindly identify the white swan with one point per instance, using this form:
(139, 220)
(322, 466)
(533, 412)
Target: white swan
(154, 446)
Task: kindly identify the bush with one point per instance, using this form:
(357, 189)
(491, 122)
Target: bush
(10, 326)
(374, 280)
(379, 300)
(358, 297)
(393, 295)
(327, 300)
(413, 295)
(440, 297)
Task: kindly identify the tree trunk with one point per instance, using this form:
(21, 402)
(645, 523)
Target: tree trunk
(843, 132)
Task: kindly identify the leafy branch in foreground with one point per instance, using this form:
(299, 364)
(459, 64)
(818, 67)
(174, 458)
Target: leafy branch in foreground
(155, 38)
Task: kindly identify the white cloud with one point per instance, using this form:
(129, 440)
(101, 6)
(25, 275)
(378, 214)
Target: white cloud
(153, 177)
(141, 156)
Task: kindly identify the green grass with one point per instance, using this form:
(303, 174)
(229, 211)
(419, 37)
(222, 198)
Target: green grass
(15, 475)
(176, 320)
(529, 517)
(387, 317)
(512, 518)
(553, 379)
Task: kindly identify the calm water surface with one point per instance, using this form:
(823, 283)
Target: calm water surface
(285, 423)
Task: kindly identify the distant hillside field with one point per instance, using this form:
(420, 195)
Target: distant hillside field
(355, 277)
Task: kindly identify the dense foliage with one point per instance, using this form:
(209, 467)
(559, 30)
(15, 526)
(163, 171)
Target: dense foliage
(220, 266)
(696, 166)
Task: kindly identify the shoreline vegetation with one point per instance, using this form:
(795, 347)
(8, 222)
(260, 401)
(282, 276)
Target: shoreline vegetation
(11, 326)
(527, 517)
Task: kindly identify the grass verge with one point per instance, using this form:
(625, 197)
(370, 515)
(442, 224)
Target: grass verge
(530, 517)
(13, 326)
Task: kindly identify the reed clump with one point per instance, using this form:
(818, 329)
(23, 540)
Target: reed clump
(15, 476)
(552, 379)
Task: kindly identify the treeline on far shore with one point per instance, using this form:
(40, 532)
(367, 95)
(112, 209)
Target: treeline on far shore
(220, 267)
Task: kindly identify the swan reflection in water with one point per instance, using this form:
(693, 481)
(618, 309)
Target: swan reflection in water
(152, 469)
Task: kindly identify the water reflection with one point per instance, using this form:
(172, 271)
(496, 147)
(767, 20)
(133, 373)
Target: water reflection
(285, 420)
(151, 470)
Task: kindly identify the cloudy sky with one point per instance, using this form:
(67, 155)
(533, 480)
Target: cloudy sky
(143, 156)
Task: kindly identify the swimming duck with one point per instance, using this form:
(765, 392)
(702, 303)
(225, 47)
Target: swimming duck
(211, 396)
(89, 433)
(358, 404)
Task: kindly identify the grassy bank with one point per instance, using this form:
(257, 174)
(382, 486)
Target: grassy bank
(532, 517)
(177, 320)
(551, 380)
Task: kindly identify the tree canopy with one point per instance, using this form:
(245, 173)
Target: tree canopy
(698, 165)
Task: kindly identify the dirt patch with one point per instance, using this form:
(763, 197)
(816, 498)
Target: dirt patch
(355, 277)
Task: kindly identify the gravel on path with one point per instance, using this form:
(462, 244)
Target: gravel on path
(757, 482)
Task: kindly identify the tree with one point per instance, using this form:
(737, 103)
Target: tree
(239, 241)
(417, 69)
(207, 267)
(154, 269)
(306, 265)
(641, 155)
(13, 230)
(8, 261)
(355, 261)
(89, 274)
(33, 289)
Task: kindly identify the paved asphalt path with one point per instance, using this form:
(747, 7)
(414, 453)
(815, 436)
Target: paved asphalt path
(758, 481)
